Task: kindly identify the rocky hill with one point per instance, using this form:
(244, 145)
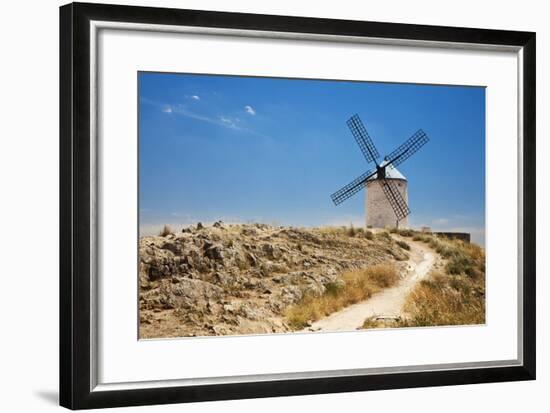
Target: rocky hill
(239, 279)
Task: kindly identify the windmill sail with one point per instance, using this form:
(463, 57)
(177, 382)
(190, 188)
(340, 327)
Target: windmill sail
(351, 189)
(385, 173)
(398, 204)
(363, 139)
(408, 148)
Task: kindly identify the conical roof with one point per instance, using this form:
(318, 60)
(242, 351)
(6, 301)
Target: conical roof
(391, 172)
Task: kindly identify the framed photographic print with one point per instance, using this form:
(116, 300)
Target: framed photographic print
(258, 206)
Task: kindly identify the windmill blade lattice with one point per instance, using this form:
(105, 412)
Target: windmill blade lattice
(385, 180)
(363, 139)
(408, 148)
(351, 189)
(398, 204)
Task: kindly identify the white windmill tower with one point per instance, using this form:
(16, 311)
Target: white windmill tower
(386, 200)
(379, 212)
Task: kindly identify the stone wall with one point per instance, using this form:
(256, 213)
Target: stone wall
(464, 236)
(379, 212)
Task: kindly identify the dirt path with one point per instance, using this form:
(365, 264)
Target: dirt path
(386, 303)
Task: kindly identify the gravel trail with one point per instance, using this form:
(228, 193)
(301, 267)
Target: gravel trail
(386, 303)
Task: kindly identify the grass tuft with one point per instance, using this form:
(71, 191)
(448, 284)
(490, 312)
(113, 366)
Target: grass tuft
(403, 245)
(166, 230)
(368, 235)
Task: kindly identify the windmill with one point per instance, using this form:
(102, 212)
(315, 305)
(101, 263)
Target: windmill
(386, 201)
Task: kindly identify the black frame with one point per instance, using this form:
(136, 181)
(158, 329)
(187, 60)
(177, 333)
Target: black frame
(75, 306)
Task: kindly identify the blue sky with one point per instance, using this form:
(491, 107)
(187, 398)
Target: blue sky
(245, 149)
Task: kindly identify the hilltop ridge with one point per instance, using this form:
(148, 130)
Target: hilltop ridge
(239, 278)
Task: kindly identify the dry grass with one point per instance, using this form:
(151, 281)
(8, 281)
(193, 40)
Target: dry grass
(374, 322)
(446, 300)
(350, 231)
(453, 297)
(351, 288)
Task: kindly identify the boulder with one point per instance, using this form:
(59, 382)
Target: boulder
(214, 252)
(175, 247)
(249, 231)
(291, 294)
(190, 294)
(223, 279)
(272, 251)
(251, 258)
(314, 289)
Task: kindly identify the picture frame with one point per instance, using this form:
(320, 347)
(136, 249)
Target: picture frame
(79, 341)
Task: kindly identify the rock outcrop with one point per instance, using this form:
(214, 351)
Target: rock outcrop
(239, 279)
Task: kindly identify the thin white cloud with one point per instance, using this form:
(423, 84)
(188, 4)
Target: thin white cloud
(250, 110)
(222, 120)
(180, 110)
(196, 97)
(229, 122)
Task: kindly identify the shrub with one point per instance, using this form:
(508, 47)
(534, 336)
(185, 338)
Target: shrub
(368, 235)
(166, 230)
(423, 238)
(403, 245)
(370, 322)
(385, 235)
(433, 243)
(359, 232)
(333, 288)
(405, 232)
(459, 264)
(375, 322)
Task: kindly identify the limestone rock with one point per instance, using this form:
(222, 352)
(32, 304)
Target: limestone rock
(240, 278)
